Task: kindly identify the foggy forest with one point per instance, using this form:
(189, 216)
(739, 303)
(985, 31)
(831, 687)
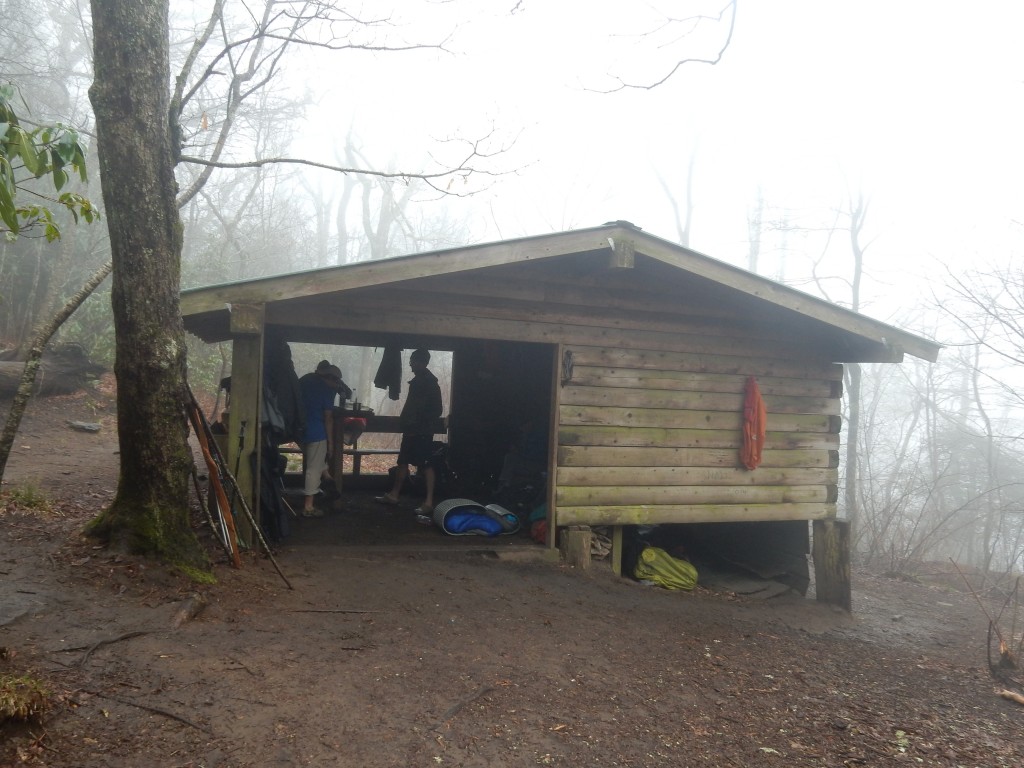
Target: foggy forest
(271, 182)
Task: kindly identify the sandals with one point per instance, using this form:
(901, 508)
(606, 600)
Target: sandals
(424, 514)
(385, 499)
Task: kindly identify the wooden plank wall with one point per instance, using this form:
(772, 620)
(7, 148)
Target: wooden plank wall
(648, 437)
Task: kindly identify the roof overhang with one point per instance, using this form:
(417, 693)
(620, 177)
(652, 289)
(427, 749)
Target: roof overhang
(614, 250)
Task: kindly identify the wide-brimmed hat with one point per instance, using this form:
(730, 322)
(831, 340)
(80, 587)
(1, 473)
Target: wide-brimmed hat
(332, 373)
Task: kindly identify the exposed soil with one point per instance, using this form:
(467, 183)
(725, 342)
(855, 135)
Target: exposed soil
(399, 646)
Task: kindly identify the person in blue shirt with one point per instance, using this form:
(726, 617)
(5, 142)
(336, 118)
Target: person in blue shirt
(319, 390)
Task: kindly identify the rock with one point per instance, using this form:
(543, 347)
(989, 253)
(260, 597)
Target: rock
(84, 426)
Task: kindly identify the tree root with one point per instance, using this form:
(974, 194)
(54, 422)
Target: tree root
(111, 641)
(148, 708)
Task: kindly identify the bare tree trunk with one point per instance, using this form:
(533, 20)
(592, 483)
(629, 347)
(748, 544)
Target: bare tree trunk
(858, 212)
(130, 95)
(684, 218)
(755, 230)
(991, 499)
(850, 495)
(34, 355)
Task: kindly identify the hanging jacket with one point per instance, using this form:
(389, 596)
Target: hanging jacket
(389, 372)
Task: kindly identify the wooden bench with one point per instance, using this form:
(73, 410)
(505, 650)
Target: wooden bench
(374, 423)
(357, 454)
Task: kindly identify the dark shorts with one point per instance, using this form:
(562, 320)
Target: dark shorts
(416, 450)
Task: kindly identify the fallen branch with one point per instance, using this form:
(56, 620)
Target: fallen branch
(1012, 696)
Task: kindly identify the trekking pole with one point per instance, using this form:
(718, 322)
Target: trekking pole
(198, 424)
(218, 532)
(236, 490)
(238, 460)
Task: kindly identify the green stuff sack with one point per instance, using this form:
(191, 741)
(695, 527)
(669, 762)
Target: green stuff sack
(658, 566)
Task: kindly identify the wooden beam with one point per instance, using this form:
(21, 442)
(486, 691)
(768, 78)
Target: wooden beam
(623, 255)
(555, 397)
(869, 340)
(691, 400)
(394, 270)
(657, 456)
(617, 550)
(647, 475)
(791, 299)
(448, 324)
(660, 495)
(696, 513)
(575, 546)
(594, 313)
(760, 365)
(690, 418)
(247, 319)
(437, 315)
(246, 384)
(653, 437)
(770, 386)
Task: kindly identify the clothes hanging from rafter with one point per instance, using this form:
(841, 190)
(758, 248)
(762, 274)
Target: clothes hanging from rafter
(389, 373)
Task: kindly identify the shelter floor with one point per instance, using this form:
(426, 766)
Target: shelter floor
(356, 519)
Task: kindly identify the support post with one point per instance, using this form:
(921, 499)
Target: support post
(575, 546)
(617, 550)
(246, 386)
(831, 552)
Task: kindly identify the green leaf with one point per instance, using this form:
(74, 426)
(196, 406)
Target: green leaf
(52, 230)
(79, 162)
(60, 178)
(29, 154)
(7, 212)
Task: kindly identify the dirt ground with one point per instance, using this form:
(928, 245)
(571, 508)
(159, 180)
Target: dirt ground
(399, 646)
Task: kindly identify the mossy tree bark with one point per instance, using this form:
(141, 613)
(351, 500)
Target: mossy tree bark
(130, 96)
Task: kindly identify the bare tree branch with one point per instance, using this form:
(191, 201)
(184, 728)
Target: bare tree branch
(730, 8)
(459, 170)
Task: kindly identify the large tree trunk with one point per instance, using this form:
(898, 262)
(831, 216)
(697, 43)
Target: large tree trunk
(130, 95)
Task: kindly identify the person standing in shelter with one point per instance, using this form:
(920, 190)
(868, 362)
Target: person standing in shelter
(318, 392)
(418, 419)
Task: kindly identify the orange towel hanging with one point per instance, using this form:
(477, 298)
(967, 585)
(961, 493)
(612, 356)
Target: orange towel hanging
(755, 417)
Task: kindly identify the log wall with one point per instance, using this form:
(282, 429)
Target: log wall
(646, 437)
(648, 426)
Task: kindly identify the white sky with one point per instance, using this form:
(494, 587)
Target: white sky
(918, 103)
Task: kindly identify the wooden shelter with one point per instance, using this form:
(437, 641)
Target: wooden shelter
(636, 350)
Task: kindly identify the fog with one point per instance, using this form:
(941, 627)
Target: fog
(570, 114)
(915, 106)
